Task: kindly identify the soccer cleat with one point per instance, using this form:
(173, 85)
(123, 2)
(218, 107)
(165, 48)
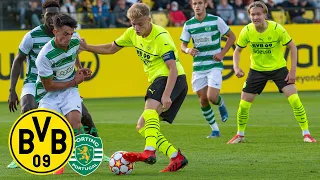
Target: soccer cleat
(60, 171)
(214, 134)
(146, 156)
(223, 113)
(179, 162)
(106, 158)
(308, 138)
(236, 139)
(12, 165)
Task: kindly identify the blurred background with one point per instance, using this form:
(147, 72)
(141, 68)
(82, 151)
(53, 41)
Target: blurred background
(26, 14)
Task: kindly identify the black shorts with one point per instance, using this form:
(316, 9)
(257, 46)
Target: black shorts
(257, 80)
(179, 92)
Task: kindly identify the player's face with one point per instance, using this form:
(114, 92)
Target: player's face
(141, 25)
(48, 19)
(199, 6)
(257, 16)
(63, 35)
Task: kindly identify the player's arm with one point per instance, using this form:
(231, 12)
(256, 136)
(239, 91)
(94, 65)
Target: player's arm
(78, 63)
(13, 100)
(231, 38)
(50, 85)
(100, 49)
(170, 60)
(293, 54)
(236, 60)
(184, 48)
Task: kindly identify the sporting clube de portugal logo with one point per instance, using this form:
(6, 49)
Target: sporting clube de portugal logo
(87, 154)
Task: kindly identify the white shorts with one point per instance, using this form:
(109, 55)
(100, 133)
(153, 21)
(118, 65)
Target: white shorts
(211, 78)
(63, 101)
(28, 88)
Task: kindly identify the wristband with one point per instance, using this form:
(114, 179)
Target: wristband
(187, 50)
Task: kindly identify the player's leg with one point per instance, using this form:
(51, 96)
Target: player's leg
(207, 111)
(290, 92)
(200, 86)
(254, 85)
(27, 103)
(87, 121)
(215, 83)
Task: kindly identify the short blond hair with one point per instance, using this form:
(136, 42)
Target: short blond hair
(259, 4)
(138, 10)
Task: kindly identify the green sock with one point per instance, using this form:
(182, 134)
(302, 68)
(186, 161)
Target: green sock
(243, 116)
(209, 116)
(298, 111)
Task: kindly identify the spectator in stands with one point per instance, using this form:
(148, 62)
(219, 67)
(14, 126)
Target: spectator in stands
(271, 5)
(69, 8)
(226, 12)
(296, 11)
(176, 16)
(101, 14)
(241, 15)
(85, 11)
(120, 12)
(34, 14)
(22, 5)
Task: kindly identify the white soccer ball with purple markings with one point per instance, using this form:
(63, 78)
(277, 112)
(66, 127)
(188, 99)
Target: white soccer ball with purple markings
(118, 165)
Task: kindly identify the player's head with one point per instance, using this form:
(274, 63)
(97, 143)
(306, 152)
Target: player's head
(258, 13)
(139, 16)
(199, 6)
(64, 26)
(50, 8)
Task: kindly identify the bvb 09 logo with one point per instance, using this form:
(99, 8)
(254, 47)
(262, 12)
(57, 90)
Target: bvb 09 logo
(41, 141)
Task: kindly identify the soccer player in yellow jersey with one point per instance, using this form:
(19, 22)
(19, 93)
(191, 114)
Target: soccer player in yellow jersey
(266, 39)
(168, 88)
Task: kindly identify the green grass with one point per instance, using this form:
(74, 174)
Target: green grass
(274, 147)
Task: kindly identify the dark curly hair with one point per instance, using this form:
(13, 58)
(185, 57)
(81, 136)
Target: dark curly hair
(50, 3)
(61, 20)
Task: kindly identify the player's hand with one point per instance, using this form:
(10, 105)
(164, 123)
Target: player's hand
(291, 77)
(79, 77)
(166, 102)
(193, 52)
(218, 57)
(13, 101)
(86, 72)
(83, 45)
(238, 71)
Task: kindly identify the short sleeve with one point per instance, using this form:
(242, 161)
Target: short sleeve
(44, 66)
(185, 35)
(284, 37)
(223, 27)
(243, 38)
(166, 47)
(26, 44)
(125, 39)
(76, 35)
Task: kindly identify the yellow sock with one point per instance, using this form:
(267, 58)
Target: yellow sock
(298, 111)
(152, 127)
(162, 144)
(165, 146)
(243, 116)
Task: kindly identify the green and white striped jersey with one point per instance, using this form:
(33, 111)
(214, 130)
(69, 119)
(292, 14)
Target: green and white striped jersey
(206, 37)
(57, 63)
(30, 46)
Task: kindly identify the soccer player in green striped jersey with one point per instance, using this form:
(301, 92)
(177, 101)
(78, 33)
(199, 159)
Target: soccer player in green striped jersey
(266, 39)
(206, 31)
(168, 88)
(29, 48)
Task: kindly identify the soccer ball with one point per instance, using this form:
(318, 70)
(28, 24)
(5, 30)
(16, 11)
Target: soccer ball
(118, 165)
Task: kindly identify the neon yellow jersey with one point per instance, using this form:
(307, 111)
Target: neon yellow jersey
(153, 50)
(266, 47)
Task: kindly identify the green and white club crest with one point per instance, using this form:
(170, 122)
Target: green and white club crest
(87, 155)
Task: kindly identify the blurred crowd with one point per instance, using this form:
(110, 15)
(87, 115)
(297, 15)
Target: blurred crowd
(112, 13)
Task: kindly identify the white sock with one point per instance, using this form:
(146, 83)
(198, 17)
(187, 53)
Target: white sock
(241, 133)
(149, 148)
(304, 132)
(173, 155)
(214, 126)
